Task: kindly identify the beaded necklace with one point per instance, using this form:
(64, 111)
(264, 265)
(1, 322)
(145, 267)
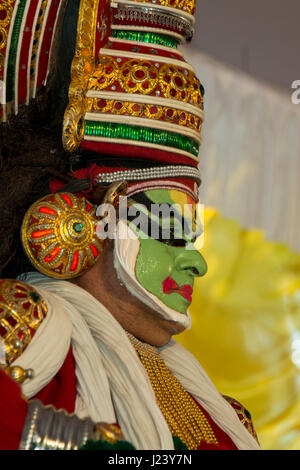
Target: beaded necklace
(183, 416)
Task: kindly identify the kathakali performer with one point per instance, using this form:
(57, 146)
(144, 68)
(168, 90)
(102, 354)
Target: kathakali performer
(100, 107)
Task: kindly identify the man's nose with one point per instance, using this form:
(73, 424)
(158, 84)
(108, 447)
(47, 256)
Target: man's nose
(192, 261)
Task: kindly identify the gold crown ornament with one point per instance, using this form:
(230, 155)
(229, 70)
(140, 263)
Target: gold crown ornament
(132, 95)
(138, 96)
(131, 91)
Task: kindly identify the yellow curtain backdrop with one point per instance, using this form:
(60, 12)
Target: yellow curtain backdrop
(246, 326)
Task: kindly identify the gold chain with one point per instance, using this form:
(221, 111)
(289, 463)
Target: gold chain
(183, 416)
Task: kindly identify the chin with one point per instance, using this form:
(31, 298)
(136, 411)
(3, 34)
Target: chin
(158, 340)
(156, 330)
(168, 336)
(170, 329)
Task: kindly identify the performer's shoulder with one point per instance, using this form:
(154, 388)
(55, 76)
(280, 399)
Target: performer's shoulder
(243, 414)
(22, 310)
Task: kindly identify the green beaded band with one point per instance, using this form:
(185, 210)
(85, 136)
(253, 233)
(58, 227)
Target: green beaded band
(141, 36)
(143, 134)
(12, 57)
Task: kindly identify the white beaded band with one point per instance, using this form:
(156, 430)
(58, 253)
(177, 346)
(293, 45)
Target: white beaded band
(160, 16)
(141, 174)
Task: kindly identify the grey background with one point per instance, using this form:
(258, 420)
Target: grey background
(260, 37)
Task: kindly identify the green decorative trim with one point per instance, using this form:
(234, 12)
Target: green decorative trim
(11, 65)
(141, 36)
(124, 445)
(178, 444)
(104, 445)
(142, 134)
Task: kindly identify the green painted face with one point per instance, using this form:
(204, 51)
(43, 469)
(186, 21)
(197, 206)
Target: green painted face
(166, 268)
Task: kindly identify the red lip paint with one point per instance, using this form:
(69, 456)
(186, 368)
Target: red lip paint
(170, 287)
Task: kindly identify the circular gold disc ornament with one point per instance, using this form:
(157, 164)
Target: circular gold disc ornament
(59, 235)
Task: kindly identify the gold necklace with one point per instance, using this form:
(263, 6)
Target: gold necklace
(183, 416)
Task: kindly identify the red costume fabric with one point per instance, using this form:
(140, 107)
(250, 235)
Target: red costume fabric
(61, 393)
(13, 410)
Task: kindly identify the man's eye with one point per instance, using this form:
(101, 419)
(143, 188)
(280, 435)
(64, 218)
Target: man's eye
(176, 241)
(179, 242)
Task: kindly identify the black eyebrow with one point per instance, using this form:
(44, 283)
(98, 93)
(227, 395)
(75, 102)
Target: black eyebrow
(164, 234)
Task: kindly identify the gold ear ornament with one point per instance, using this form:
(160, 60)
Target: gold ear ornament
(59, 232)
(59, 235)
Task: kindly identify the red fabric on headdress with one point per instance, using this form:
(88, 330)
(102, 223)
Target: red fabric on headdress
(132, 151)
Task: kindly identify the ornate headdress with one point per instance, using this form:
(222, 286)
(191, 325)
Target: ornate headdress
(138, 97)
(134, 103)
(132, 94)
